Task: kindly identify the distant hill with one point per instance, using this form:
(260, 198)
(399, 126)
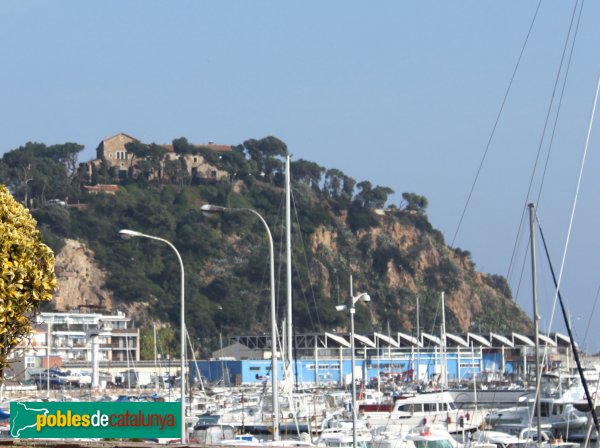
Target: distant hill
(341, 228)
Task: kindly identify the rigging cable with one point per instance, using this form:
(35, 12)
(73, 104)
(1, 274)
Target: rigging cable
(495, 126)
(576, 195)
(557, 295)
(561, 96)
(588, 396)
(587, 328)
(281, 219)
(562, 93)
(542, 137)
(312, 291)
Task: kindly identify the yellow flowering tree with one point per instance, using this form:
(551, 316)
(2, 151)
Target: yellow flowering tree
(27, 278)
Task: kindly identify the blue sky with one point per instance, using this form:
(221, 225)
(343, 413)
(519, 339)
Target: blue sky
(403, 94)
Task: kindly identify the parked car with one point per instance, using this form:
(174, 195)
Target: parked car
(57, 202)
(41, 380)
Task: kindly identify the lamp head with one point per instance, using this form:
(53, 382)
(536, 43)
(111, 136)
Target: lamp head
(365, 297)
(128, 234)
(210, 208)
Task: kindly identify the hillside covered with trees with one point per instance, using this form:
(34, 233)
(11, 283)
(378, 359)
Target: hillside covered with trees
(341, 227)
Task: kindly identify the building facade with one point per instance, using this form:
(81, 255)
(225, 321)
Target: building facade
(68, 336)
(113, 151)
(325, 358)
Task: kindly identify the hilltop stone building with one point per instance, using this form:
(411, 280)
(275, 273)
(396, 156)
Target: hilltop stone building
(113, 151)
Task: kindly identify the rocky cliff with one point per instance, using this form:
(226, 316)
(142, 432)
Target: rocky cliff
(409, 261)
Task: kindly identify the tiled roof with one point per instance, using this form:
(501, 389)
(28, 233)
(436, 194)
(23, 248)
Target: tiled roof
(101, 187)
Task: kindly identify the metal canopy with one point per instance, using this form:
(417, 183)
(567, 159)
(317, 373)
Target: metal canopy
(546, 340)
(364, 340)
(503, 340)
(389, 341)
(432, 338)
(563, 340)
(524, 339)
(457, 339)
(338, 339)
(480, 339)
(410, 339)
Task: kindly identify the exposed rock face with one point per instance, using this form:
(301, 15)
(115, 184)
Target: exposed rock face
(80, 280)
(404, 260)
(413, 262)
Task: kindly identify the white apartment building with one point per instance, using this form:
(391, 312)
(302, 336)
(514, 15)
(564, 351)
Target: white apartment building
(68, 336)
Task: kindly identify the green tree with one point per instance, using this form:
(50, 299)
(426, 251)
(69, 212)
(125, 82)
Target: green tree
(175, 171)
(372, 197)
(415, 202)
(308, 172)
(164, 343)
(263, 151)
(182, 146)
(27, 277)
(35, 172)
(102, 173)
(147, 159)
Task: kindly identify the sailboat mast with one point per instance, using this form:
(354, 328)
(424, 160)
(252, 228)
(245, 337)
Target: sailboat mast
(536, 322)
(156, 370)
(444, 378)
(288, 263)
(418, 369)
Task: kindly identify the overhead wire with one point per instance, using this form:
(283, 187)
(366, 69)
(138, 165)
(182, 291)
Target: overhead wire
(543, 138)
(496, 122)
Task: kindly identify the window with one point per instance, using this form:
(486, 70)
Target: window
(407, 408)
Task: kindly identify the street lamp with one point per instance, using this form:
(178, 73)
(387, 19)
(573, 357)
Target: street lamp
(365, 298)
(209, 208)
(169, 379)
(126, 233)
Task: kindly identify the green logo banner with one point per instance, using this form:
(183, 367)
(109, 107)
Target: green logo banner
(123, 420)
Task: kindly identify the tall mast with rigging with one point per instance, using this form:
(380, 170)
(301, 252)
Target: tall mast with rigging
(288, 245)
(536, 324)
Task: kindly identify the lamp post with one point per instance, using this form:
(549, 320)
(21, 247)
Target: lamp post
(126, 233)
(274, 370)
(365, 298)
(169, 380)
(49, 339)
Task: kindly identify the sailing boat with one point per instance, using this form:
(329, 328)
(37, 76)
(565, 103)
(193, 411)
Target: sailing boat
(303, 410)
(557, 413)
(283, 414)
